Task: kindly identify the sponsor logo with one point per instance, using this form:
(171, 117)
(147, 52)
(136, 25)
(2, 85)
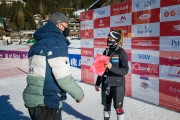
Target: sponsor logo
(175, 75)
(148, 3)
(166, 13)
(122, 19)
(176, 27)
(151, 68)
(101, 43)
(85, 43)
(14, 55)
(85, 25)
(171, 13)
(147, 29)
(144, 16)
(122, 8)
(142, 56)
(74, 62)
(102, 32)
(86, 60)
(145, 43)
(138, 67)
(145, 3)
(172, 58)
(101, 12)
(174, 90)
(171, 71)
(175, 43)
(101, 23)
(87, 33)
(85, 16)
(87, 52)
(144, 84)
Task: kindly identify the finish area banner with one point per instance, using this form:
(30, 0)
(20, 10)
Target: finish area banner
(152, 42)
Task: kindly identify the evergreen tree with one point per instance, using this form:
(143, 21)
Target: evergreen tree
(22, 16)
(20, 20)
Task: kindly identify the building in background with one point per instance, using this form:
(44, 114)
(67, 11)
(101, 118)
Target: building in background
(10, 2)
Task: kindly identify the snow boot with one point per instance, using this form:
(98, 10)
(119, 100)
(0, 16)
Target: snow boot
(107, 115)
(120, 117)
(120, 114)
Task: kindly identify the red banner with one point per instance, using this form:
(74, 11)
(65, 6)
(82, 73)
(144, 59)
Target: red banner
(169, 2)
(170, 28)
(145, 43)
(100, 43)
(87, 52)
(121, 8)
(102, 22)
(88, 15)
(145, 69)
(170, 58)
(169, 94)
(85, 34)
(146, 16)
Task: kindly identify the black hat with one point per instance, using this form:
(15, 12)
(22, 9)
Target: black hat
(59, 17)
(115, 35)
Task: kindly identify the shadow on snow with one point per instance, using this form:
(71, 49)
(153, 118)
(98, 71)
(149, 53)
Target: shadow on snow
(8, 112)
(71, 111)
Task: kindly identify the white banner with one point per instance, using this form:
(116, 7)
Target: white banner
(101, 32)
(170, 43)
(102, 12)
(169, 73)
(139, 5)
(145, 88)
(170, 13)
(88, 24)
(120, 20)
(144, 30)
(87, 43)
(145, 56)
(87, 60)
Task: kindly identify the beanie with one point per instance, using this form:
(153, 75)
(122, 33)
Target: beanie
(115, 35)
(59, 17)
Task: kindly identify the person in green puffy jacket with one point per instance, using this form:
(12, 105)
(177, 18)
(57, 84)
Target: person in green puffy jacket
(49, 77)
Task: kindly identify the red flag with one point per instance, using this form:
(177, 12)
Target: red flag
(98, 65)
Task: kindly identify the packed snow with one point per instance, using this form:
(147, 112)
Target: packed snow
(12, 105)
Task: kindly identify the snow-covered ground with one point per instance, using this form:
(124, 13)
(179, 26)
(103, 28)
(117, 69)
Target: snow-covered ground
(12, 105)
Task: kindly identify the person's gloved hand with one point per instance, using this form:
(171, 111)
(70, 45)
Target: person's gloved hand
(97, 88)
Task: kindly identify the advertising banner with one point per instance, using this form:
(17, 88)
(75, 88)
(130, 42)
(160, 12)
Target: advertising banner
(13, 54)
(151, 30)
(75, 60)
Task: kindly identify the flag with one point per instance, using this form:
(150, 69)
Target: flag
(98, 64)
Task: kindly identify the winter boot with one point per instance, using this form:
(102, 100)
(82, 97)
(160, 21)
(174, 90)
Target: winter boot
(107, 115)
(120, 117)
(120, 114)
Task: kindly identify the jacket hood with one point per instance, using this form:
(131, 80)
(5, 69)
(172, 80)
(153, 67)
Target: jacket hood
(48, 30)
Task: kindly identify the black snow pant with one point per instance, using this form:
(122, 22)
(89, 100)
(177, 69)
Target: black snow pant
(44, 113)
(116, 94)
